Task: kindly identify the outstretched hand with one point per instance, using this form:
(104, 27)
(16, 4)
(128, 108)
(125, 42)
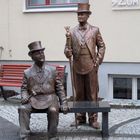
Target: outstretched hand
(64, 108)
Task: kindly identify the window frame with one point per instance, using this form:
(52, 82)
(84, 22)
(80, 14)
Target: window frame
(134, 85)
(50, 8)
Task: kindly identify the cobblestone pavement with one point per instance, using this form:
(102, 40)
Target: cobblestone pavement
(124, 124)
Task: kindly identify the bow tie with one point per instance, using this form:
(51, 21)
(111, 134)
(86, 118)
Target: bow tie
(82, 28)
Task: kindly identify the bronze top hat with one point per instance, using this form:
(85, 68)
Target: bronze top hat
(83, 8)
(35, 46)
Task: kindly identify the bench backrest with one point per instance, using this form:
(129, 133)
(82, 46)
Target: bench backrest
(12, 74)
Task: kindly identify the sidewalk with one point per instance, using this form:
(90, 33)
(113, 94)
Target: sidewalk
(124, 124)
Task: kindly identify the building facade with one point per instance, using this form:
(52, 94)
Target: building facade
(24, 21)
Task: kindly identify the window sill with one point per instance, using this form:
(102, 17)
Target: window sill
(64, 9)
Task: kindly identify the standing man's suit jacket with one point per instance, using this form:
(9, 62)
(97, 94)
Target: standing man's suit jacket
(93, 40)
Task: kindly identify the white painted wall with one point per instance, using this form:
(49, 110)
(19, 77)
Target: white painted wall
(120, 31)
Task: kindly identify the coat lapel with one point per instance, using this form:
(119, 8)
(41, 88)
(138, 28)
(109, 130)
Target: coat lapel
(88, 34)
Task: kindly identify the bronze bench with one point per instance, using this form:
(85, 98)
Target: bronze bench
(87, 106)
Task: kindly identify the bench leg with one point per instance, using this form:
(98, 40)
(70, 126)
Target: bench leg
(105, 131)
(2, 92)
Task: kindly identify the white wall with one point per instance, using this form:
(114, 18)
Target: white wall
(4, 27)
(119, 29)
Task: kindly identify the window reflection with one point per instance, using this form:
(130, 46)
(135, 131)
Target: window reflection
(37, 2)
(52, 2)
(67, 1)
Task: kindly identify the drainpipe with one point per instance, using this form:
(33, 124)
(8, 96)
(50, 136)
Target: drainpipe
(1, 49)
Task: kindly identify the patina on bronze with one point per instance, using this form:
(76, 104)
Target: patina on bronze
(87, 50)
(41, 89)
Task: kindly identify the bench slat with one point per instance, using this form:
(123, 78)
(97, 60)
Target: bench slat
(11, 78)
(10, 84)
(11, 75)
(10, 81)
(16, 65)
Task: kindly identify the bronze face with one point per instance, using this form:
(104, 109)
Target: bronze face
(82, 17)
(38, 56)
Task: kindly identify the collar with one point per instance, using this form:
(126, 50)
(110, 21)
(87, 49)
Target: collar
(38, 69)
(85, 27)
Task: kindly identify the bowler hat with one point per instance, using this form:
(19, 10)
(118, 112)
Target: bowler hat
(35, 46)
(83, 8)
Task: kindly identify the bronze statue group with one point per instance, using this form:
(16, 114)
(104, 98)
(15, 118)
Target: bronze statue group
(42, 88)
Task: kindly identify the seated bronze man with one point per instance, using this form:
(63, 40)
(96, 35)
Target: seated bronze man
(42, 89)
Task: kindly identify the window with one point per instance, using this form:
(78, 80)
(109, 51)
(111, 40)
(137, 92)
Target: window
(51, 5)
(124, 87)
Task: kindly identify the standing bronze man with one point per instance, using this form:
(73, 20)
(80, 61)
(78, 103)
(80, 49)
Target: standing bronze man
(40, 90)
(85, 44)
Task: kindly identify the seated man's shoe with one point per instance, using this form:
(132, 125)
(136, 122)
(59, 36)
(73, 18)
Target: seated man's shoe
(78, 123)
(95, 125)
(24, 135)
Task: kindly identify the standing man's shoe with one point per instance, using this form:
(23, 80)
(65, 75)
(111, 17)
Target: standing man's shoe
(78, 123)
(24, 136)
(94, 125)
